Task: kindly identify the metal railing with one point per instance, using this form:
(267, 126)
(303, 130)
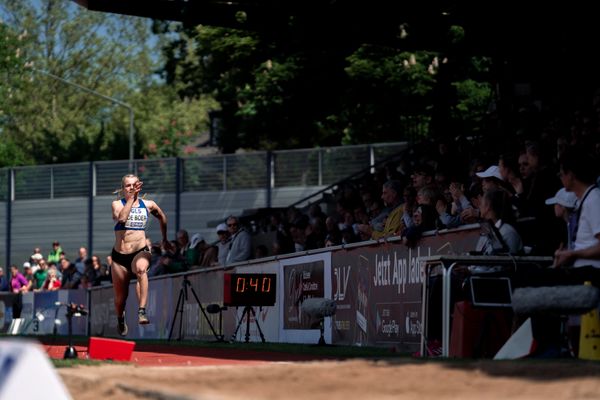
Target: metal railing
(256, 170)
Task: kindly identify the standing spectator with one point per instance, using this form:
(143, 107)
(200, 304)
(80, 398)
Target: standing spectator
(18, 283)
(54, 255)
(223, 243)
(4, 284)
(240, 248)
(52, 281)
(39, 276)
(35, 258)
(80, 261)
(578, 175)
(28, 275)
(70, 276)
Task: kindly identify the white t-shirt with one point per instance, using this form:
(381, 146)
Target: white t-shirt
(588, 227)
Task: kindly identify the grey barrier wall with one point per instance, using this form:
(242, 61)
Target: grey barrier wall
(376, 285)
(39, 222)
(71, 202)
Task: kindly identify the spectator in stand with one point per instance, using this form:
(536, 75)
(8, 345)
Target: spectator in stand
(491, 179)
(186, 252)
(564, 204)
(240, 248)
(333, 231)
(84, 282)
(223, 243)
(261, 251)
(53, 265)
(54, 255)
(35, 258)
(207, 254)
(70, 275)
(450, 218)
(502, 237)
(28, 275)
(394, 225)
(508, 168)
(423, 175)
(4, 284)
(315, 234)
(52, 281)
(100, 273)
(80, 262)
(39, 276)
(18, 283)
(578, 173)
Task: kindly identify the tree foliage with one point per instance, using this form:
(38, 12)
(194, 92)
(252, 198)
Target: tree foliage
(115, 56)
(295, 90)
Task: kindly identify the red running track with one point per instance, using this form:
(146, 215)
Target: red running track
(174, 355)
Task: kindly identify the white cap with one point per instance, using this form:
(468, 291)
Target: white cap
(26, 264)
(491, 172)
(222, 228)
(196, 238)
(564, 198)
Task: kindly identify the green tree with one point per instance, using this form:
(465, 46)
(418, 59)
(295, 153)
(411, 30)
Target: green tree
(113, 55)
(301, 90)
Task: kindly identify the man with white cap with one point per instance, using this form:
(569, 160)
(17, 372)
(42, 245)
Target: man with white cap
(223, 243)
(564, 203)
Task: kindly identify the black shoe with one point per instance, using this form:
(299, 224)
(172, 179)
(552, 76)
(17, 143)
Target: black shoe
(122, 326)
(142, 317)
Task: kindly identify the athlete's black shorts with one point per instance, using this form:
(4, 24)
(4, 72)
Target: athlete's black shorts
(126, 259)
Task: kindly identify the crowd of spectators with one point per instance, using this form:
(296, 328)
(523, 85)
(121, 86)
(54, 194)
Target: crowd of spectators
(513, 187)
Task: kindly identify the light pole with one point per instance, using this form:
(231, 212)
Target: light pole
(111, 99)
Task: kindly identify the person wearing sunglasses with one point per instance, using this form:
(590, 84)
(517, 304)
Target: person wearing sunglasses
(240, 247)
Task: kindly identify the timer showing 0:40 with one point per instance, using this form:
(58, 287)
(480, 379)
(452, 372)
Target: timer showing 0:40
(249, 289)
(253, 284)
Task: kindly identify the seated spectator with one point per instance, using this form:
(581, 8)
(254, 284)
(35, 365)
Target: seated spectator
(261, 251)
(70, 275)
(452, 218)
(52, 281)
(18, 282)
(240, 248)
(98, 272)
(501, 236)
(391, 196)
(223, 243)
(564, 205)
(207, 254)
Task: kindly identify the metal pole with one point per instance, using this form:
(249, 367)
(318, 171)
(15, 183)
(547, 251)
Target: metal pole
(105, 97)
(9, 199)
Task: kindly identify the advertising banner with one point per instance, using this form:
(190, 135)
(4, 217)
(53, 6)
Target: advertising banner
(378, 290)
(303, 277)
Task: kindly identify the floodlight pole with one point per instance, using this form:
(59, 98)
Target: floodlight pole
(111, 99)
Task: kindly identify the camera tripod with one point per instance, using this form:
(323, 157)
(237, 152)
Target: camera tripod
(183, 296)
(247, 311)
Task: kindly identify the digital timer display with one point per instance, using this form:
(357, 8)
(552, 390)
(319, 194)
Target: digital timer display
(252, 289)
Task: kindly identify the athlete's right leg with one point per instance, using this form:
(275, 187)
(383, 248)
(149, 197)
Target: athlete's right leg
(120, 279)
